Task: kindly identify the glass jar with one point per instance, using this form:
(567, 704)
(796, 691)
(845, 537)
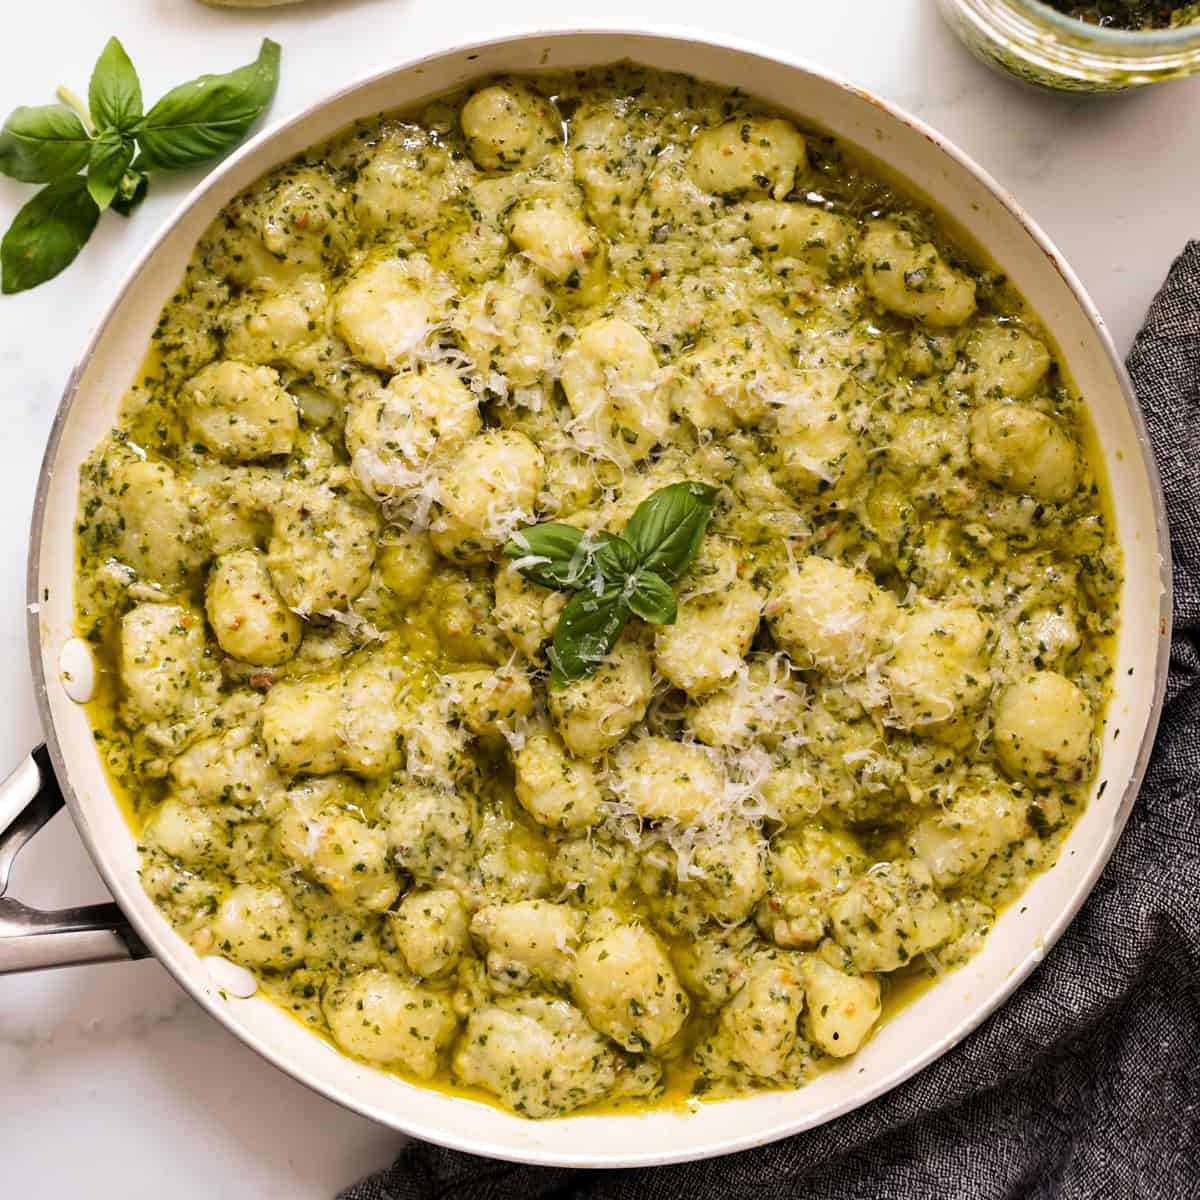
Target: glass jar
(1042, 46)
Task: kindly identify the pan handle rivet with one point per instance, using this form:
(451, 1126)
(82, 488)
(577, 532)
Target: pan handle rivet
(77, 670)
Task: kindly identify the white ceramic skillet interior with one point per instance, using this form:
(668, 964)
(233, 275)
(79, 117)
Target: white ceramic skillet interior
(917, 1034)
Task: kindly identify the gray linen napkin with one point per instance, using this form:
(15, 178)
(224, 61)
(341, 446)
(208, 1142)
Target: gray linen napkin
(1087, 1082)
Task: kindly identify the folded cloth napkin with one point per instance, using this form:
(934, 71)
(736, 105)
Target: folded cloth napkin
(1087, 1082)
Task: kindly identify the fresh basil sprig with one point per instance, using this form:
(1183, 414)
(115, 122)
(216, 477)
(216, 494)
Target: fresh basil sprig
(117, 145)
(613, 576)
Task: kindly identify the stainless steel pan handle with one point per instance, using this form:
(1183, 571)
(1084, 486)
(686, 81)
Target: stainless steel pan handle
(30, 939)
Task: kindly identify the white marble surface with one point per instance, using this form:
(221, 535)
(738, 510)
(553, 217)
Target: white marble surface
(112, 1082)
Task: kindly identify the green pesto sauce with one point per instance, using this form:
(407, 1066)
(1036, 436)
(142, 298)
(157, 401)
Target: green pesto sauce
(318, 687)
(1130, 14)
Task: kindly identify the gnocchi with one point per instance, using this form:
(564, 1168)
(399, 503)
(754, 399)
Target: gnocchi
(856, 711)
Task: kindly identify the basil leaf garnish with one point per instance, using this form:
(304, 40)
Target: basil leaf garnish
(43, 144)
(110, 158)
(587, 630)
(53, 143)
(201, 119)
(616, 558)
(613, 576)
(667, 527)
(47, 234)
(652, 599)
(115, 93)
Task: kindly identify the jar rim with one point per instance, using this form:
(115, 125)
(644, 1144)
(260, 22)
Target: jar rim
(1106, 35)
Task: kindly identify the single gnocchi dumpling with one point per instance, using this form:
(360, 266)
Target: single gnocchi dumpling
(710, 638)
(672, 202)
(759, 1028)
(323, 544)
(924, 442)
(555, 789)
(513, 857)
(538, 1055)
(489, 489)
(842, 1008)
(384, 1019)
(718, 877)
(611, 160)
(466, 623)
(748, 154)
(370, 717)
(759, 703)
(713, 965)
(247, 614)
(595, 868)
(552, 233)
(831, 617)
(299, 724)
(1050, 635)
(508, 125)
(890, 915)
(508, 328)
(958, 839)
(160, 536)
(817, 449)
(394, 432)
(628, 989)
(490, 702)
(167, 671)
(431, 832)
(258, 926)
(197, 837)
(802, 231)
(388, 308)
(596, 712)
(432, 931)
(610, 377)
(231, 768)
(662, 779)
(301, 218)
(436, 747)
(1043, 730)
(241, 413)
(911, 278)
(808, 868)
(793, 794)
(321, 834)
(405, 563)
(940, 667)
(1025, 451)
(1006, 361)
(525, 612)
(288, 326)
(531, 940)
(404, 178)
(729, 380)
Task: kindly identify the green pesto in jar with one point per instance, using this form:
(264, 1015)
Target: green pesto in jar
(1130, 14)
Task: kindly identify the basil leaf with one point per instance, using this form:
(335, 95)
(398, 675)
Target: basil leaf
(616, 558)
(115, 94)
(111, 156)
(587, 630)
(666, 528)
(131, 191)
(653, 600)
(201, 119)
(40, 145)
(567, 559)
(47, 234)
(545, 554)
